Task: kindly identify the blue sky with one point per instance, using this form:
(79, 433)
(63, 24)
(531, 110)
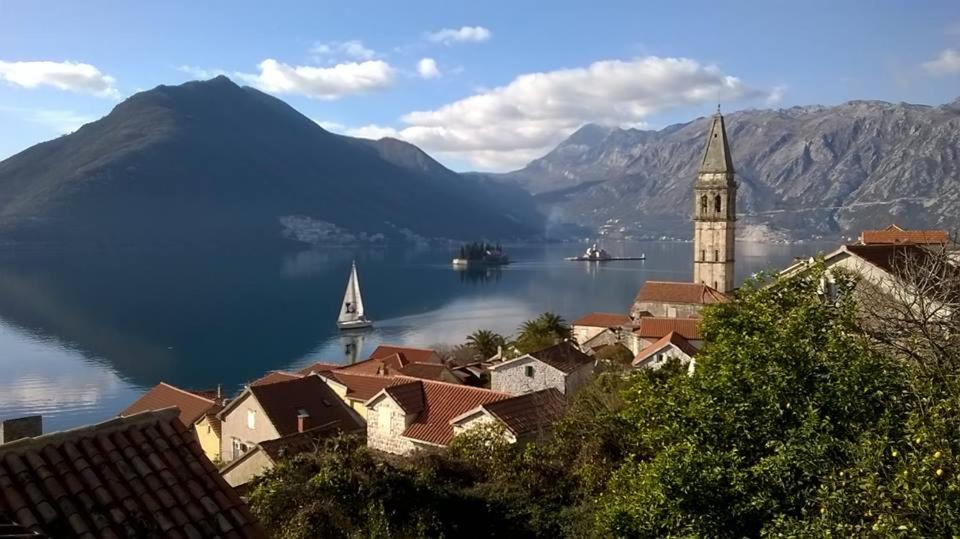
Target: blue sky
(480, 85)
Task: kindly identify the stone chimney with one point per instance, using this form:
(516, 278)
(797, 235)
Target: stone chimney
(23, 427)
(302, 416)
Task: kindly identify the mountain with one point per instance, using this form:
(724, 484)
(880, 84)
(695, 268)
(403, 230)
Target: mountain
(215, 162)
(803, 172)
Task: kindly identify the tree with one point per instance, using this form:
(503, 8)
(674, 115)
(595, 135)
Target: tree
(546, 330)
(783, 391)
(486, 342)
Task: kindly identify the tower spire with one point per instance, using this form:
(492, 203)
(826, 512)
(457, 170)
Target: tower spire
(716, 153)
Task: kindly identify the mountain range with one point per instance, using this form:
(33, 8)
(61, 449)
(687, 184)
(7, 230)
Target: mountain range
(803, 172)
(211, 162)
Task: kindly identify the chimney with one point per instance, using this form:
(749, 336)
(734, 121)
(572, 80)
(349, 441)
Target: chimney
(302, 416)
(219, 391)
(23, 427)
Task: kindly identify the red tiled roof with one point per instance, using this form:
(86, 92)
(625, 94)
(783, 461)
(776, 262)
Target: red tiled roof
(603, 320)
(192, 405)
(412, 355)
(429, 371)
(143, 475)
(564, 357)
(409, 395)
(893, 234)
(361, 386)
(441, 403)
(889, 257)
(656, 328)
(671, 292)
(671, 338)
(299, 442)
(318, 367)
(212, 418)
(282, 401)
(378, 365)
(273, 377)
(529, 413)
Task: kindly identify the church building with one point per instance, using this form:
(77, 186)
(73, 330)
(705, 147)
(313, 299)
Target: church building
(715, 212)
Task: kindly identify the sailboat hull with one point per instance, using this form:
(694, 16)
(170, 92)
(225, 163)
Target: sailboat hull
(354, 324)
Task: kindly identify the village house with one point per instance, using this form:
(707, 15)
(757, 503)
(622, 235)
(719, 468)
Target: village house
(140, 475)
(670, 346)
(265, 455)
(416, 414)
(524, 418)
(674, 300)
(649, 330)
(894, 235)
(591, 325)
(562, 367)
(355, 389)
(198, 410)
(268, 411)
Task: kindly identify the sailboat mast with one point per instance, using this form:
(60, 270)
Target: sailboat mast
(356, 291)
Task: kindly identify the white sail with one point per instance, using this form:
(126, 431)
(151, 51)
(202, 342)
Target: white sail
(351, 310)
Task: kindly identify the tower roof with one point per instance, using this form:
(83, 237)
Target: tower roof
(716, 154)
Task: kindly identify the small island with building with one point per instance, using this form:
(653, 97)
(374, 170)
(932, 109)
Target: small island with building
(480, 254)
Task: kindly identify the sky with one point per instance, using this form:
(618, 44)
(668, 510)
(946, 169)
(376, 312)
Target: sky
(484, 85)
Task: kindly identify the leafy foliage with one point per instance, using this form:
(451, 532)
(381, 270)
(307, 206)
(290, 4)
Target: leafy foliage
(546, 330)
(486, 342)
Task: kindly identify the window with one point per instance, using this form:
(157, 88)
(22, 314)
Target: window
(528, 370)
(251, 419)
(703, 204)
(716, 255)
(715, 285)
(703, 255)
(239, 448)
(717, 204)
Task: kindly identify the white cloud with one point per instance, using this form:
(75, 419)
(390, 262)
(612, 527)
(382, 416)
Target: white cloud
(353, 49)
(506, 127)
(464, 34)
(331, 126)
(72, 76)
(427, 68)
(321, 82)
(200, 72)
(776, 94)
(374, 132)
(948, 63)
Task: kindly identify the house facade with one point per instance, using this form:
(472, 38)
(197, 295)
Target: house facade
(652, 329)
(670, 346)
(589, 326)
(562, 367)
(665, 299)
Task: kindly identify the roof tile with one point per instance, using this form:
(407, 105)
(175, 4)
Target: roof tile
(673, 338)
(657, 328)
(603, 320)
(192, 404)
(673, 292)
(564, 356)
(282, 401)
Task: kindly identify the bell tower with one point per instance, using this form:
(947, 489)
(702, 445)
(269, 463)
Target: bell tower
(715, 211)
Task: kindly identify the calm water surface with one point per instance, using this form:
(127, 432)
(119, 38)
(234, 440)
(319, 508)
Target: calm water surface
(83, 334)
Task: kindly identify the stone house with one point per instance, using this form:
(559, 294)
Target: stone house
(670, 346)
(666, 299)
(524, 418)
(268, 411)
(589, 326)
(561, 366)
(416, 414)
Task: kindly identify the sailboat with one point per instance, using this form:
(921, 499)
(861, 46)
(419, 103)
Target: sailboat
(351, 311)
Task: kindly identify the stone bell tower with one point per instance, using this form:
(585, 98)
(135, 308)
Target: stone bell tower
(715, 211)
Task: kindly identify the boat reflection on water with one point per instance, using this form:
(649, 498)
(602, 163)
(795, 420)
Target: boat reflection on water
(352, 343)
(478, 274)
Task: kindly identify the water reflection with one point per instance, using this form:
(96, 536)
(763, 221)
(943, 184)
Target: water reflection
(81, 334)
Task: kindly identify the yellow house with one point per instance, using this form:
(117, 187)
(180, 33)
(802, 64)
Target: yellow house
(208, 433)
(355, 388)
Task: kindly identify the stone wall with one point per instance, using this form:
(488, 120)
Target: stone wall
(386, 422)
(512, 378)
(578, 378)
(666, 309)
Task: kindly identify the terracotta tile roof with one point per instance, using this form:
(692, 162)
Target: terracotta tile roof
(656, 328)
(361, 387)
(671, 338)
(439, 402)
(603, 320)
(273, 377)
(409, 395)
(11, 529)
(529, 413)
(888, 257)
(389, 364)
(282, 402)
(412, 355)
(893, 234)
(429, 371)
(138, 476)
(564, 356)
(671, 292)
(193, 405)
(318, 367)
